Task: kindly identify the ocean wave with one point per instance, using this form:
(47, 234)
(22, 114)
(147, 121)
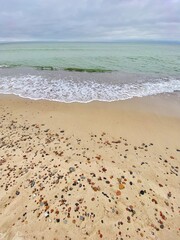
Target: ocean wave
(68, 90)
(9, 65)
(4, 66)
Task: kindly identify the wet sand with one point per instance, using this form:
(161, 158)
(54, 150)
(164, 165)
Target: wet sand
(89, 171)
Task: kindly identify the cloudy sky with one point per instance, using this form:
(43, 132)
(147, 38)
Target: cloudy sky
(89, 20)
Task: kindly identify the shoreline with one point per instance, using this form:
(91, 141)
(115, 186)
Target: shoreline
(71, 87)
(96, 170)
(161, 104)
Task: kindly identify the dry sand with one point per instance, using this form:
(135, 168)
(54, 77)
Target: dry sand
(89, 171)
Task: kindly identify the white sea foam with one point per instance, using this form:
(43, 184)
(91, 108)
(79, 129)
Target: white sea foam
(64, 90)
(4, 66)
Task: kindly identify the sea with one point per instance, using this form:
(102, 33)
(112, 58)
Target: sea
(85, 72)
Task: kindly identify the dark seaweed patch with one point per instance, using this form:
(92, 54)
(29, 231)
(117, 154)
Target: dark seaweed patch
(87, 70)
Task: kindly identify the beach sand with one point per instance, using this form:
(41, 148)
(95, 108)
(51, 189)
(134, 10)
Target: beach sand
(89, 171)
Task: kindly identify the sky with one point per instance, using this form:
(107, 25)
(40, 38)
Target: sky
(89, 20)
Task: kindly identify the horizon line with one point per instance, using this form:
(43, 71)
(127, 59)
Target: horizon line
(98, 41)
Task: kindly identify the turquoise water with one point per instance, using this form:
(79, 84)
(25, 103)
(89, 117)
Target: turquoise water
(136, 69)
(128, 57)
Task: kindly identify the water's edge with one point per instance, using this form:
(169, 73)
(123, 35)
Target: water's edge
(83, 87)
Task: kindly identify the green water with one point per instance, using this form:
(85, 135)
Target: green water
(125, 57)
(93, 71)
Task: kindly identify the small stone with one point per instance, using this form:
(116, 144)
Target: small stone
(81, 218)
(98, 157)
(169, 194)
(162, 216)
(116, 141)
(32, 183)
(118, 193)
(154, 200)
(121, 186)
(161, 226)
(46, 214)
(71, 169)
(95, 188)
(17, 193)
(128, 219)
(133, 212)
(142, 192)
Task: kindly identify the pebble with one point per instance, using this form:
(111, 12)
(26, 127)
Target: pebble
(71, 169)
(81, 218)
(121, 186)
(32, 183)
(161, 226)
(46, 214)
(142, 192)
(118, 193)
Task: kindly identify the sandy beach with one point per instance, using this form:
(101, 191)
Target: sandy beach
(89, 171)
